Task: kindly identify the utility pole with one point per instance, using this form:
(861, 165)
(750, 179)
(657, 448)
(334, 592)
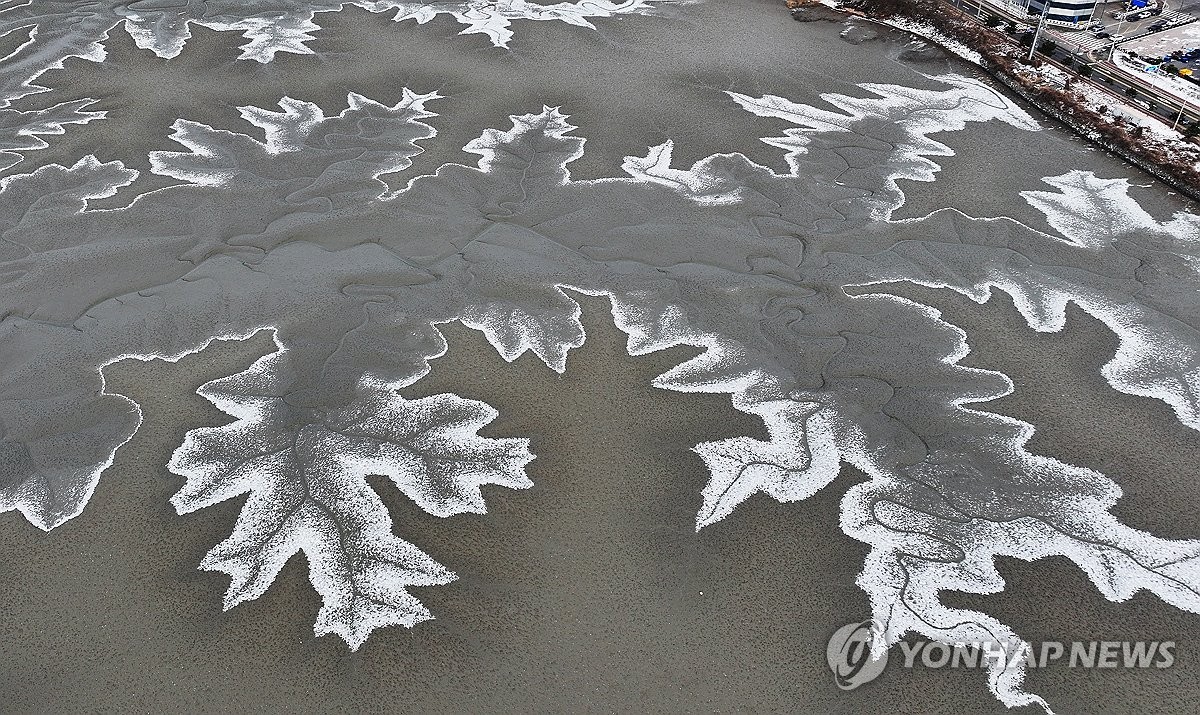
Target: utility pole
(1038, 32)
(1178, 117)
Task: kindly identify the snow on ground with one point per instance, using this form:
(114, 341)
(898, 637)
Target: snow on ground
(929, 32)
(1178, 87)
(1166, 42)
(1157, 131)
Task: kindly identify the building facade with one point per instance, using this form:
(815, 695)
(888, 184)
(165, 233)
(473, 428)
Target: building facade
(1064, 12)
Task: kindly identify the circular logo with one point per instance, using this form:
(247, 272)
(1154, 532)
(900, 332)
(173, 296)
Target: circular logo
(849, 655)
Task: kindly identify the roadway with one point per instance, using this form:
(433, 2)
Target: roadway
(1146, 97)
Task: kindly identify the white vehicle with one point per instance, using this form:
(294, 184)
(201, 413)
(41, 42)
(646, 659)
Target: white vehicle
(1134, 13)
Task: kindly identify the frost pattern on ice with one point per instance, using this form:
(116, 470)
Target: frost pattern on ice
(305, 474)
(351, 149)
(791, 466)
(62, 29)
(916, 113)
(1090, 211)
(749, 264)
(1158, 355)
(286, 25)
(24, 131)
(935, 524)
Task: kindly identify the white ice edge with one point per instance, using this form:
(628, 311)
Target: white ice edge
(92, 477)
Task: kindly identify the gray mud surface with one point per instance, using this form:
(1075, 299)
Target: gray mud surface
(770, 211)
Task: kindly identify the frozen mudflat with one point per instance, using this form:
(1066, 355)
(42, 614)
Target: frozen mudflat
(724, 181)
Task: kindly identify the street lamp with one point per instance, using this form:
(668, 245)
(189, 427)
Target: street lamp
(1125, 10)
(1038, 32)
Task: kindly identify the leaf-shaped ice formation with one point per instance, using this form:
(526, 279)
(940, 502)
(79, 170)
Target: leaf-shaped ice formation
(58, 30)
(23, 131)
(64, 28)
(305, 473)
(748, 263)
(1095, 212)
(937, 523)
(494, 19)
(793, 465)
(49, 238)
(916, 113)
(350, 150)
